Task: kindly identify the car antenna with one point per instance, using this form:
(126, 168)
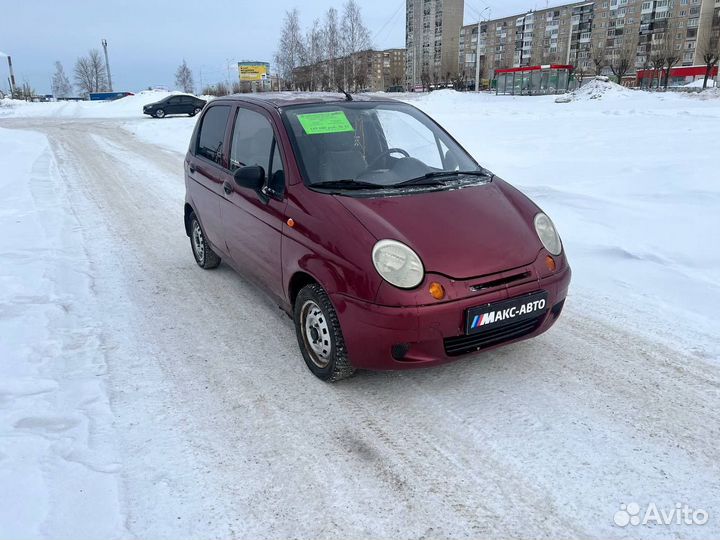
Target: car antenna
(348, 97)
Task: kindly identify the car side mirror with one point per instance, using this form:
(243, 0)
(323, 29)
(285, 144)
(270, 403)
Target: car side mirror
(251, 177)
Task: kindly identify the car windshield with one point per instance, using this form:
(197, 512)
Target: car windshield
(374, 145)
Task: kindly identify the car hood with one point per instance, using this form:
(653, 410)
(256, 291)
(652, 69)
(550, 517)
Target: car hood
(461, 233)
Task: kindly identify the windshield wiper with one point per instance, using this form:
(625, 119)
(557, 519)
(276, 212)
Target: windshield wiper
(347, 184)
(435, 177)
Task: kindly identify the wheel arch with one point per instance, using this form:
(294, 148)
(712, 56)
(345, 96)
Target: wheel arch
(297, 281)
(188, 210)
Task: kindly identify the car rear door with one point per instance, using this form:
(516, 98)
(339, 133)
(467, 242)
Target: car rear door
(253, 227)
(186, 105)
(207, 172)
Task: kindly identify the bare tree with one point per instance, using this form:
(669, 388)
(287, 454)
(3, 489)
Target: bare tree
(671, 53)
(355, 36)
(657, 61)
(61, 86)
(290, 48)
(25, 92)
(425, 79)
(184, 78)
(314, 54)
(90, 74)
(711, 56)
(622, 61)
(597, 55)
(332, 45)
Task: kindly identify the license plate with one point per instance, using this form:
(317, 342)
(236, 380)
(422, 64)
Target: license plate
(498, 314)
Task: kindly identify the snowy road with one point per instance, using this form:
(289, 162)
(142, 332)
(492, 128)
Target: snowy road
(220, 430)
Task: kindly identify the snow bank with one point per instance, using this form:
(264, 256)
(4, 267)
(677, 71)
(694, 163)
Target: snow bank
(127, 107)
(598, 88)
(700, 82)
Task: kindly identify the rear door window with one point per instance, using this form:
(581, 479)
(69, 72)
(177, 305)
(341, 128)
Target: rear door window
(212, 133)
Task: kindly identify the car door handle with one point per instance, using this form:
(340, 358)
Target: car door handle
(227, 186)
(192, 168)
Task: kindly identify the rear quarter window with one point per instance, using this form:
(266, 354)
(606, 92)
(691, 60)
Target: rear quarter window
(212, 133)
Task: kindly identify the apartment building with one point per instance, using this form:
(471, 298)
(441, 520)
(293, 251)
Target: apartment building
(577, 32)
(432, 29)
(647, 26)
(373, 70)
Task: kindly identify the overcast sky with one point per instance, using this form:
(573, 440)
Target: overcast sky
(149, 39)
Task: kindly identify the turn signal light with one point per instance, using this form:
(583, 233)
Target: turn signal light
(437, 291)
(551, 264)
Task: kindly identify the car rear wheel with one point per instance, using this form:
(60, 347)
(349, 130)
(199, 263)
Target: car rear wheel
(319, 335)
(195, 111)
(204, 255)
(160, 113)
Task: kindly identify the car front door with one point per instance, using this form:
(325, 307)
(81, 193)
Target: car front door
(207, 173)
(253, 224)
(173, 106)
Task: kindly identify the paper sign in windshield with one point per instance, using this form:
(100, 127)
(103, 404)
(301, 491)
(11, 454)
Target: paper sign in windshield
(325, 122)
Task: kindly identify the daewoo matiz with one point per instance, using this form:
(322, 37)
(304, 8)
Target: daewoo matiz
(389, 246)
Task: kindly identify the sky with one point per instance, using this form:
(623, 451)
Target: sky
(148, 40)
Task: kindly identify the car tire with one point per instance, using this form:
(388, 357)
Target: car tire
(205, 257)
(196, 111)
(160, 113)
(319, 335)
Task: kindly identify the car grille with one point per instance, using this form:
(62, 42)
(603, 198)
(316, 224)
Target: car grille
(456, 346)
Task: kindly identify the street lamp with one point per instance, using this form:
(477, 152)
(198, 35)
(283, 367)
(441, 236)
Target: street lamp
(477, 49)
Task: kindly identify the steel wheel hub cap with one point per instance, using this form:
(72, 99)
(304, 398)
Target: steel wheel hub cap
(198, 243)
(316, 334)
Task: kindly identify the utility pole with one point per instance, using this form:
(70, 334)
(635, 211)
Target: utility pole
(107, 65)
(477, 51)
(12, 78)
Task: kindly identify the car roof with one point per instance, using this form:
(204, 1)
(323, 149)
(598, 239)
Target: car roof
(285, 99)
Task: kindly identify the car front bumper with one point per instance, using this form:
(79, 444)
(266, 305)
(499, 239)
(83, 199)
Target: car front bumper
(395, 338)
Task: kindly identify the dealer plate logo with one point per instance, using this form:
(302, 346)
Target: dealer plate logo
(506, 312)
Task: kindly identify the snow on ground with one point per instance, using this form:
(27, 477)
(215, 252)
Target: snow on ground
(141, 396)
(58, 461)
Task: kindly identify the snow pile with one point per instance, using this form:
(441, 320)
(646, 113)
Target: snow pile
(598, 88)
(700, 82)
(707, 94)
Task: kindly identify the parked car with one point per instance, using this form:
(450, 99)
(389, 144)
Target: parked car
(175, 104)
(384, 240)
(396, 88)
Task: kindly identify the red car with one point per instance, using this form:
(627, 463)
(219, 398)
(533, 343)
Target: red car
(384, 240)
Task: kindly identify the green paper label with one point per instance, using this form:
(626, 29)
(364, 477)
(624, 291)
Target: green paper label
(325, 122)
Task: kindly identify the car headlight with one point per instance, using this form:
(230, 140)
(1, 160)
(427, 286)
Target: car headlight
(398, 264)
(547, 234)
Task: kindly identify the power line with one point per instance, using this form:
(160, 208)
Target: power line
(389, 20)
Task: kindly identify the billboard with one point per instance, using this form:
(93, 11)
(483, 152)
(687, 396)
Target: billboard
(253, 71)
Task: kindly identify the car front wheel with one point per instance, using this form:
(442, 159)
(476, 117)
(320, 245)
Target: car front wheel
(160, 113)
(205, 257)
(319, 335)
(195, 111)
